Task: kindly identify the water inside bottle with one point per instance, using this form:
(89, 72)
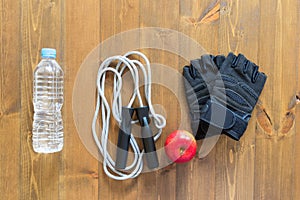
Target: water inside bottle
(48, 100)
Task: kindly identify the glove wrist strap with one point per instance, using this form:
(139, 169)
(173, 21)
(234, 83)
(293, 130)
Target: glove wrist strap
(223, 119)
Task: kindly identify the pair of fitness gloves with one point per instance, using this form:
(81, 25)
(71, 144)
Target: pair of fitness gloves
(221, 93)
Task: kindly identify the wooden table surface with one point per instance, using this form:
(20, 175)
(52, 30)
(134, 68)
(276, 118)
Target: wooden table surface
(264, 164)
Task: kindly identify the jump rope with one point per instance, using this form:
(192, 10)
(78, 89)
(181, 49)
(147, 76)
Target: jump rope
(119, 170)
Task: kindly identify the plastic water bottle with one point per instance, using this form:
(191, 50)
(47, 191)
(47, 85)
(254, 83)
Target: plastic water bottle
(47, 134)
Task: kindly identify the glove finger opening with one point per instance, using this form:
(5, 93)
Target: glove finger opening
(187, 73)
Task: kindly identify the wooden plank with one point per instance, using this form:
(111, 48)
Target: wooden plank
(266, 161)
(80, 178)
(107, 18)
(296, 164)
(163, 15)
(200, 21)
(147, 182)
(117, 17)
(10, 95)
(235, 160)
(287, 131)
(41, 26)
(296, 187)
(274, 149)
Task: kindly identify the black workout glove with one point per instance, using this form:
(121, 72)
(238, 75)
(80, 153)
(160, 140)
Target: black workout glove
(234, 91)
(235, 94)
(198, 87)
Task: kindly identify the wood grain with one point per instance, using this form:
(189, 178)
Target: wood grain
(296, 181)
(10, 96)
(264, 164)
(235, 181)
(276, 153)
(125, 15)
(147, 19)
(196, 179)
(296, 167)
(80, 177)
(41, 25)
(163, 97)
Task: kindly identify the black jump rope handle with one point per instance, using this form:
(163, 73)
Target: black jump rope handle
(147, 137)
(124, 138)
(149, 145)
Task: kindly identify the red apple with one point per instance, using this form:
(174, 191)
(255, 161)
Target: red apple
(180, 146)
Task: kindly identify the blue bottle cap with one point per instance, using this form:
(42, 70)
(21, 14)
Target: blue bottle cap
(48, 53)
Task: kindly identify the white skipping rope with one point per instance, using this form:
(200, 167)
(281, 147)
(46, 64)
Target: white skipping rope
(135, 168)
